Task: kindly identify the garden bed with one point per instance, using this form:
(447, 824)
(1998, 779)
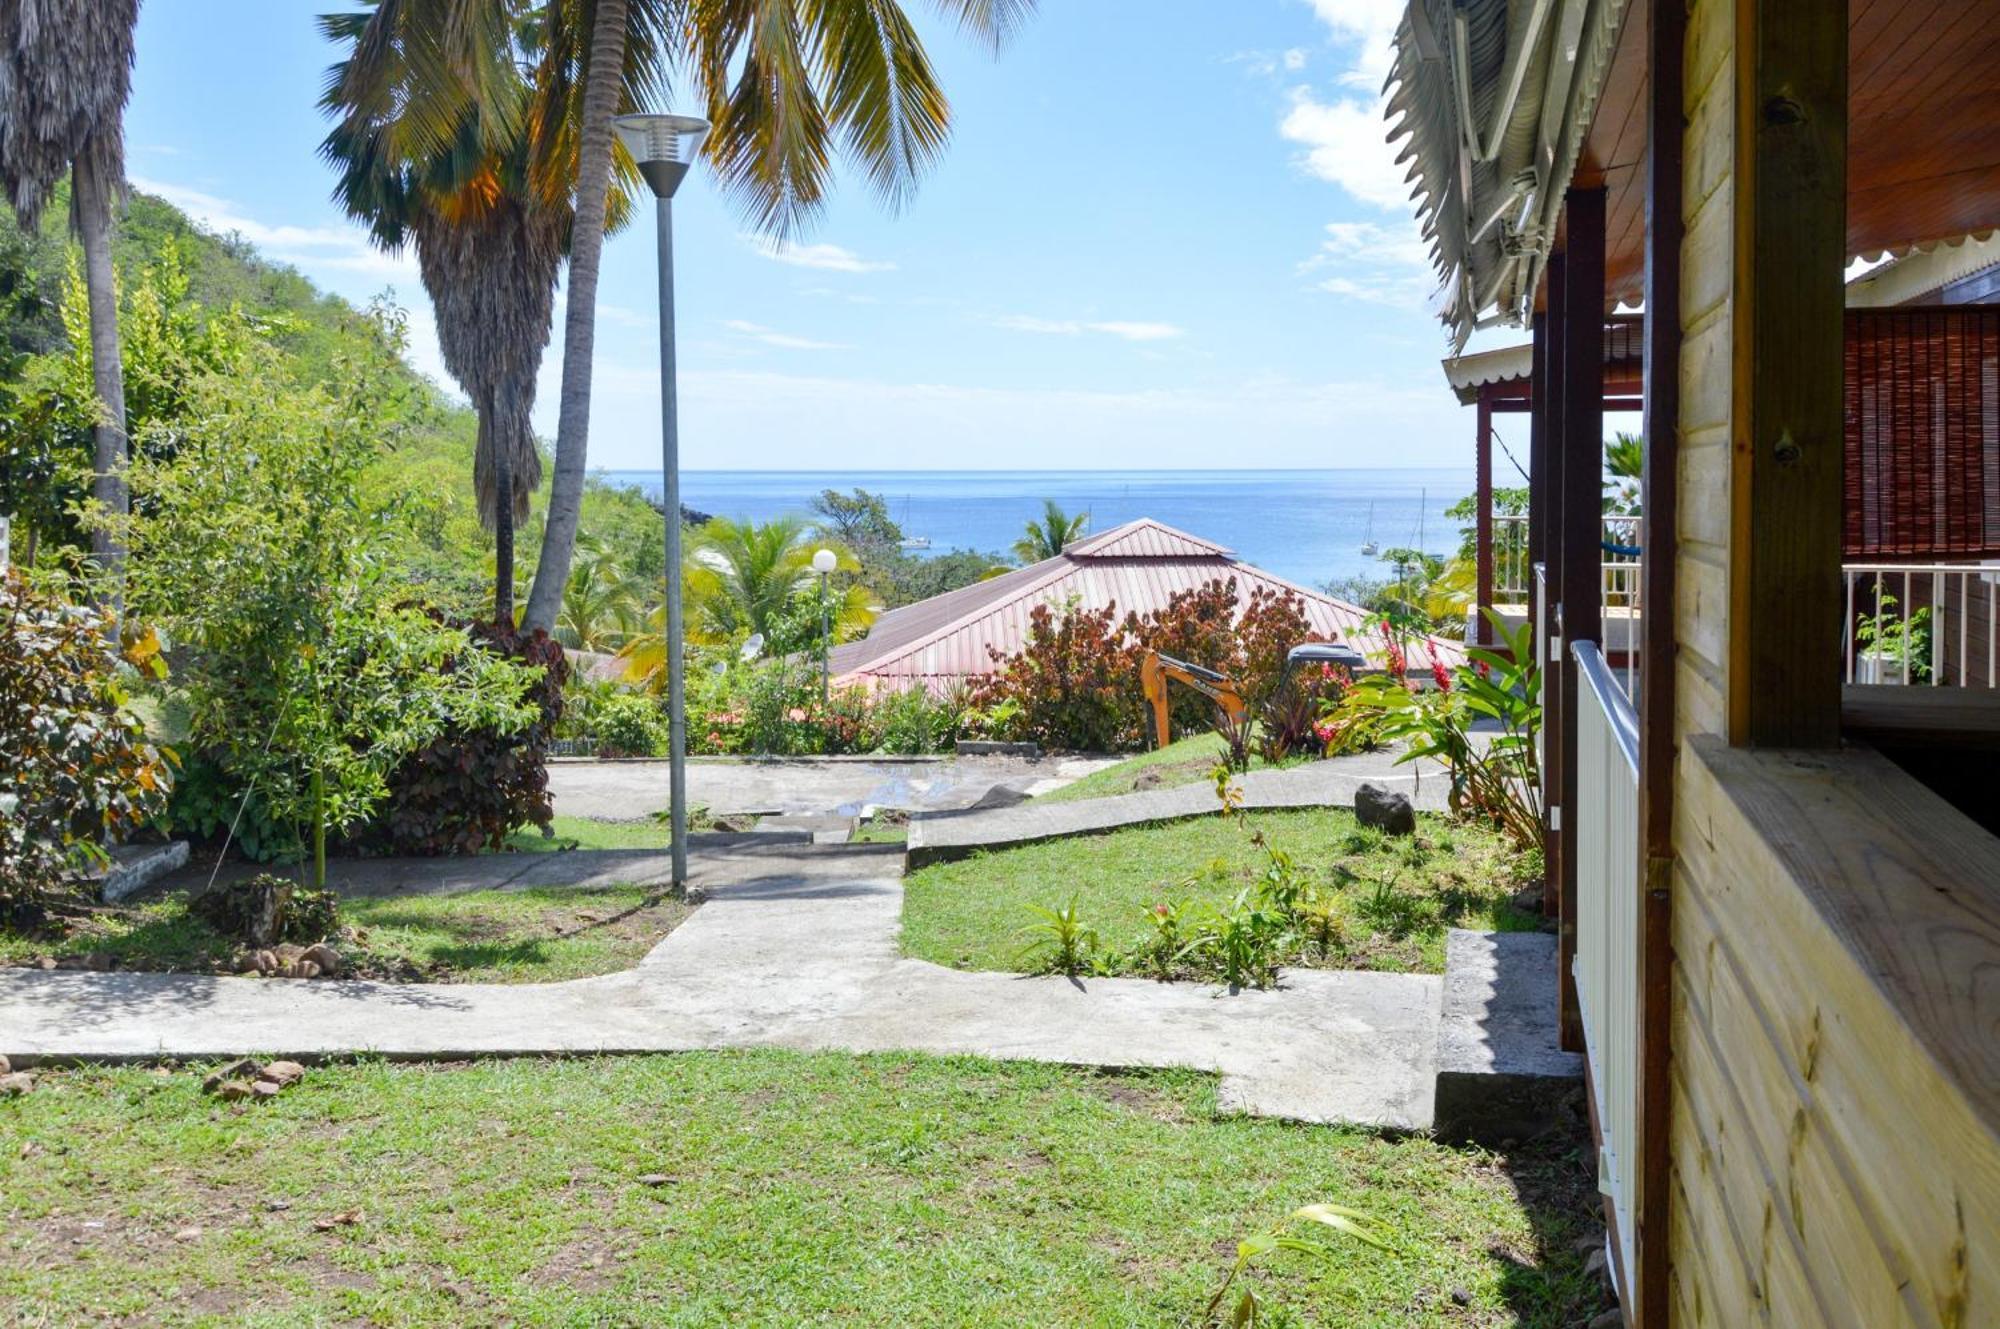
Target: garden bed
(1389, 901)
(751, 1188)
(526, 936)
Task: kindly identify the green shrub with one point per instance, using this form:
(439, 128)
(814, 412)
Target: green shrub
(630, 726)
(77, 770)
(469, 789)
(911, 722)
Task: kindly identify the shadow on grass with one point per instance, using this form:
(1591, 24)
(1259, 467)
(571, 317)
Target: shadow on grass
(1556, 1186)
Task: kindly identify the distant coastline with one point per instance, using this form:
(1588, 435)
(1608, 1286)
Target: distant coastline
(1308, 526)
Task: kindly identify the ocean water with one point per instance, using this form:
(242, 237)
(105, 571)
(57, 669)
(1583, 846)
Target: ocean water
(1307, 526)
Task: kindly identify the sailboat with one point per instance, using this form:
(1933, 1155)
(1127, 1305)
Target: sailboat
(1368, 545)
(912, 543)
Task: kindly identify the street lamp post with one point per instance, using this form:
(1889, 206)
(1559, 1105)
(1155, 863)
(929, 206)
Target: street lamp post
(824, 561)
(664, 147)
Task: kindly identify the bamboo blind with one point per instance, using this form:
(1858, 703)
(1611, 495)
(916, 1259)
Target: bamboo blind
(1922, 404)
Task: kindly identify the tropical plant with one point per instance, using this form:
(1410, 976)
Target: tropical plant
(1893, 642)
(1073, 681)
(488, 234)
(308, 676)
(602, 606)
(1238, 732)
(65, 76)
(743, 576)
(629, 726)
(1246, 1311)
(782, 82)
(1059, 941)
(1047, 537)
(79, 773)
(1499, 778)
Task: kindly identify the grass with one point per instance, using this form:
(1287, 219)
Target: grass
(527, 936)
(1397, 896)
(1188, 760)
(589, 833)
(755, 1188)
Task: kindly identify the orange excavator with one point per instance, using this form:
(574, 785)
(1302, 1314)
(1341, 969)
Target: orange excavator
(1157, 670)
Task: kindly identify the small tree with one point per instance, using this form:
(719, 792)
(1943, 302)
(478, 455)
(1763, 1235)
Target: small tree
(78, 772)
(309, 677)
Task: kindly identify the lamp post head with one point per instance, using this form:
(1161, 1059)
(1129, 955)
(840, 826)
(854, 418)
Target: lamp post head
(664, 146)
(825, 561)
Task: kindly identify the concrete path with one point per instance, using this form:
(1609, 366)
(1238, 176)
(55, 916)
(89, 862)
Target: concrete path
(938, 836)
(630, 790)
(796, 947)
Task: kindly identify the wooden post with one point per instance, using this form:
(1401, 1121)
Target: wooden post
(1549, 402)
(1791, 219)
(1538, 458)
(1582, 445)
(1482, 599)
(1659, 487)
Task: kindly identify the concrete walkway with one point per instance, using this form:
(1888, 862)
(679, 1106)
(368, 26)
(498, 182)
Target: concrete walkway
(939, 836)
(631, 790)
(796, 947)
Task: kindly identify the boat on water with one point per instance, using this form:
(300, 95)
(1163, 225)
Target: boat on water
(916, 542)
(1368, 545)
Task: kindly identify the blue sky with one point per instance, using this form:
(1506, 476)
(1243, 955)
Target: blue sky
(1167, 234)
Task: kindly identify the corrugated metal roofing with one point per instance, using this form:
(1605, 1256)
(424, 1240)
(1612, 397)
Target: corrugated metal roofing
(951, 637)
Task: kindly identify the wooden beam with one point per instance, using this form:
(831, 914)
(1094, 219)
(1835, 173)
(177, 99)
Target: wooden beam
(1659, 487)
(1482, 516)
(1580, 444)
(1549, 399)
(1791, 220)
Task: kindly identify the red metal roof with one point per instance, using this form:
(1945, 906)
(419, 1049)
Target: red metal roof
(1136, 567)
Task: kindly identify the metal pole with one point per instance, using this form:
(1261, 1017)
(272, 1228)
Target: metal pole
(670, 462)
(825, 643)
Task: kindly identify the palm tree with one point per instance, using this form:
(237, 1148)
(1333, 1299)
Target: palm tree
(489, 241)
(1047, 537)
(65, 76)
(782, 81)
(602, 605)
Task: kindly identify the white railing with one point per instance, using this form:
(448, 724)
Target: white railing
(1511, 572)
(1927, 623)
(1604, 837)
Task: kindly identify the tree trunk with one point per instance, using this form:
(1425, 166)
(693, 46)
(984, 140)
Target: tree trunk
(600, 103)
(93, 214)
(499, 427)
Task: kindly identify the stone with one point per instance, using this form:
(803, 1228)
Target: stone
(1598, 1267)
(302, 969)
(282, 1073)
(265, 1089)
(654, 1179)
(1611, 1319)
(6, 1066)
(1528, 901)
(1461, 1296)
(45, 962)
(16, 1083)
(240, 1069)
(1501, 1074)
(1147, 779)
(1388, 809)
(267, 963)
(232, 1091)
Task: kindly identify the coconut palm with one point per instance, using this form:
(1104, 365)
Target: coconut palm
(1047, 537)
(65, 76)
(783, 81)
(602, 605)
(741, 577)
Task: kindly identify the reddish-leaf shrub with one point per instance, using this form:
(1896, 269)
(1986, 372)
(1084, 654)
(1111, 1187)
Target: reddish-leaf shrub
(469, 791)
(76, 772)
(1076, 681)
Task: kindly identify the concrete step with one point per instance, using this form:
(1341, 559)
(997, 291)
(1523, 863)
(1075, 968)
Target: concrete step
(1501, 1074)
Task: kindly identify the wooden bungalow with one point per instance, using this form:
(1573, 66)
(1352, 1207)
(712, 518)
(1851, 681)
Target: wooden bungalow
(1779, 890)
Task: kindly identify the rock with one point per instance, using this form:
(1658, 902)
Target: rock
(188, 1234)
(1611, 1319)
(267, 963)
(1385, 808)
(73, 962)
(265, 1089)
(6, 1066)
(302, 969)
(99, 962)
(1461, 1296)
(730, 825)
(244, 962)
(1002, 796)
(1528, 901)
(16, 1083)
(282, 1073)
(654, 1179)
(327, 958)
(45, 962)
(232, 1091)
(1598, 1267)
(1147, 779)
(1586, 1244)
(240, 1069)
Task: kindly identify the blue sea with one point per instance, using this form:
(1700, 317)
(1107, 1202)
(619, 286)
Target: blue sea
(1308, 526)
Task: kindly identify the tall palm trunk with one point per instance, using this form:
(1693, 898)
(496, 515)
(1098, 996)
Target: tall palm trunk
(92, 204)
(493, 421)
(600, 102)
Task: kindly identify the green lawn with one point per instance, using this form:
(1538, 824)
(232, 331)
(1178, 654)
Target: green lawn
(1396, 898)
(1186, 761)
(589, 833)
(529, 936)
(758, 1188)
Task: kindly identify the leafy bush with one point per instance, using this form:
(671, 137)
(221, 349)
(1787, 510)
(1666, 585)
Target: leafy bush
(78, 770)
(912, 722)
(630, 726)
(471, 788)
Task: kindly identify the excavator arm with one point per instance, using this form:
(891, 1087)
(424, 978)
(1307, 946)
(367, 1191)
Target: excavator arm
(1156, 671)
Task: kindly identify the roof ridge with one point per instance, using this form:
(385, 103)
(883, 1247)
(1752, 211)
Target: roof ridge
(916, 644)
(1089, 545)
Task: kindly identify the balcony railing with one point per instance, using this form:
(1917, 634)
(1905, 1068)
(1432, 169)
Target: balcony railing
(1605, 841)
(1510, 560)
(1922, 623)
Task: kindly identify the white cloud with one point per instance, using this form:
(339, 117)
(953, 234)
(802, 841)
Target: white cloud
(1369, 24)
(345, 248)
(1294, 60)
(1064, 327)
(1386, 265)
(830, 258)
(1346, 143)
(785, 340)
